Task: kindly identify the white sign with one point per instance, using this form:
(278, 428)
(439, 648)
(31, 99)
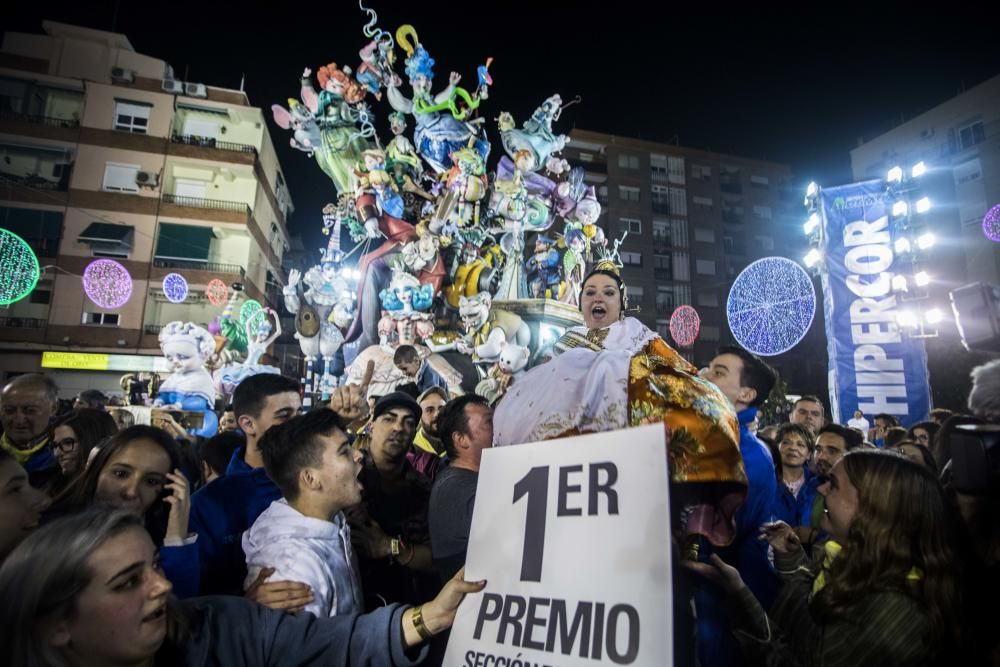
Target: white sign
(573, 538)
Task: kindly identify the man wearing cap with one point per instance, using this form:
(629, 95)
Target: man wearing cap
(389, 527)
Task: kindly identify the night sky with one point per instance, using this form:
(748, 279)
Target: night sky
(793, 85)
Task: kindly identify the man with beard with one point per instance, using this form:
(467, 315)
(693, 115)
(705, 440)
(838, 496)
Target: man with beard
(389, 527)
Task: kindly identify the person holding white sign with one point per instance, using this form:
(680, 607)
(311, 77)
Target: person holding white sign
(614, 372)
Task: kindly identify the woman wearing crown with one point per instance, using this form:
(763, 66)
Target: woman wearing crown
(614, 373)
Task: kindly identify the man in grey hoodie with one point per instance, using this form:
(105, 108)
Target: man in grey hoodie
(304, 535)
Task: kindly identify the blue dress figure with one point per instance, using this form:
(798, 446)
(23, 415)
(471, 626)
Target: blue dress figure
(187, 347)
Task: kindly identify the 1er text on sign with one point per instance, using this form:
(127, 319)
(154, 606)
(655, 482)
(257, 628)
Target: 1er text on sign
(573, 537)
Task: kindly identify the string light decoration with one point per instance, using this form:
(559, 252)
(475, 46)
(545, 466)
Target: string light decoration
(107, 283)
(684, 325)
(217, 292)
(991, 224)
(771, 305)
(251, 311)
(19, 271)
(175, 287)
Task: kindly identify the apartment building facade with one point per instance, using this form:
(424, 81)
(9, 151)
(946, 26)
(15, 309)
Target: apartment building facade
(695, 219)
(959, 142)
(104, 153)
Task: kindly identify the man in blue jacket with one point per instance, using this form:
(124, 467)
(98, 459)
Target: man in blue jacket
(747, 382)
(226, 507)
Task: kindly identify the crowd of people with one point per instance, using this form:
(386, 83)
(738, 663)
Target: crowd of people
(338, 536)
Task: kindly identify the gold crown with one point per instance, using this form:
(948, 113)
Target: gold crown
(607, 265)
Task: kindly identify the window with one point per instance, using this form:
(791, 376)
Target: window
(665, 299)
(634, 293)
(631, 258)
(660, 197)
(704, 235)
(40, 296)
(676, 168)
(710, 299)
(100, 319)
(702, 201)
(705, 267)
(760, 181)
(709, 333)
(631, 225)
(626, 161)
(658, 167)
(120, 177)
(132, 116)
(661, 231)
(602, 195)
(628, 193)
(661, 262)
(728, 245)
(763, 212)
(586, 157)
(701, 172)
(972, 134)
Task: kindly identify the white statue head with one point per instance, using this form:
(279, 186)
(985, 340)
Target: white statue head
(186, 346)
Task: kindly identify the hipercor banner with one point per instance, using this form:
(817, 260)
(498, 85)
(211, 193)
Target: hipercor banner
(874, 366)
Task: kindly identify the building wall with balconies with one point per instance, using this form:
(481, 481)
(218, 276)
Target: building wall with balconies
(118, 167)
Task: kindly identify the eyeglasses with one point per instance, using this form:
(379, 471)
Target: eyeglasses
(66, 445)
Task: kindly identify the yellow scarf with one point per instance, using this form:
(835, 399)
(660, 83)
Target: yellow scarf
(832, 549)
(22, 455)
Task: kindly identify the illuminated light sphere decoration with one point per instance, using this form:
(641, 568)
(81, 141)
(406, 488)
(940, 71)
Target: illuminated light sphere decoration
(684, 325)
(251, 311)
(175, 287)
(217, 292)
(107, 283)
(19, 271)
(991, 224)
(771, 305)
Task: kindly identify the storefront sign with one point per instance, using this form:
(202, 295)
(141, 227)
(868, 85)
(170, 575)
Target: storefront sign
(85, 361)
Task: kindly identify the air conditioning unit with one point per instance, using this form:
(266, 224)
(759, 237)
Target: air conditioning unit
(122, 75)
(173, 86)
(195, 90)
(149, 179)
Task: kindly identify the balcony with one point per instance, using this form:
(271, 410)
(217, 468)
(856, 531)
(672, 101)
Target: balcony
(22, 322)
(152, 329)
(209, 142)
(661, 206)
(67, 123)
(661, 241)
(663, 274)
(195, 265)
(213, 204)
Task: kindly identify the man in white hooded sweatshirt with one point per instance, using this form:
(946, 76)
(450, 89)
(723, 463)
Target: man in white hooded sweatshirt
(304, 535)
